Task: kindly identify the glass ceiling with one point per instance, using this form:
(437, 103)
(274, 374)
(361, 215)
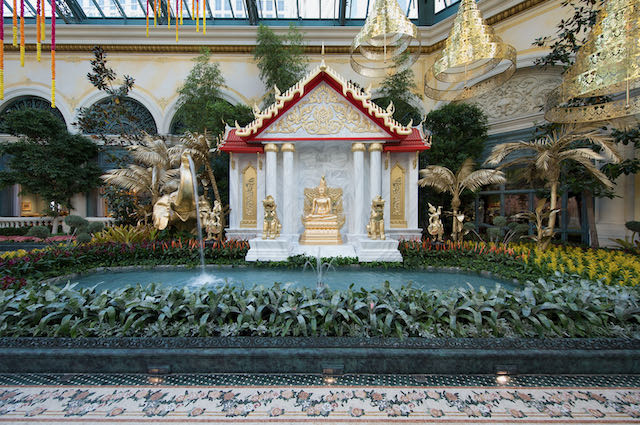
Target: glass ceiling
(243, 12)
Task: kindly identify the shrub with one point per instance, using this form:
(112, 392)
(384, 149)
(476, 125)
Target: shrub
(126, 234)
(41, 232)
(77, 223)
(83, 238)
(95, 227)
(14, 231)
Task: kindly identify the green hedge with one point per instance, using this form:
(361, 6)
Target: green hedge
(561, 306)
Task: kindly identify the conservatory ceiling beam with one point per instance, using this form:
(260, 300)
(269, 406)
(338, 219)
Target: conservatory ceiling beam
(120, 9)
(233, 14)
(70, 11)
(252, 11)
(343, 12)
(208, 8)
(31, 8)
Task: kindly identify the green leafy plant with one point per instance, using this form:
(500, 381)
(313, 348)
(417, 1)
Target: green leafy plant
(48, 161)
(561, 306)
(41, 232)
(126, 234)
(280, 59)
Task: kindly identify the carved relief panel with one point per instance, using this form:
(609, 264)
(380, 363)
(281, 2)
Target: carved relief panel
(397, 217)
(249, 197)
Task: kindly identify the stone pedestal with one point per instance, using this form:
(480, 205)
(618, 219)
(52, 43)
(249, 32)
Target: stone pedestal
(268, 249)
(369, 250)
(321, 235)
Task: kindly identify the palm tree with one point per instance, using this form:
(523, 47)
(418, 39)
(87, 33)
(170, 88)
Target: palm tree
(444, 180)
(544, 158)
(152, 171)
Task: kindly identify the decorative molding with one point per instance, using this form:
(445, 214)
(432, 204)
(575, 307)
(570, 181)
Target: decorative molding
(523, 95)
(323, 112)
(358, 147)
(375, 147)
(288, 147)
(271, 147)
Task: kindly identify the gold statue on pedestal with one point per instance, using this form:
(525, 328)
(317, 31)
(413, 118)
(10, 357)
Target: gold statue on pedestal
(435, 224)
(271, 225)
(375, 228)
(213, 222)
(323, 215)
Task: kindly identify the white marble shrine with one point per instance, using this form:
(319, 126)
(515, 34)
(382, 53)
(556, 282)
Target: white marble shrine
(324, 126)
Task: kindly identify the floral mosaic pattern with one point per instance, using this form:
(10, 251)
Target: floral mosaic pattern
(157, 404)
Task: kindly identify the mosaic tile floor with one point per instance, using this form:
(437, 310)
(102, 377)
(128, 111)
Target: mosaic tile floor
(294, 399)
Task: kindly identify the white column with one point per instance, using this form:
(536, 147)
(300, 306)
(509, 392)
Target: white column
(359, 206)
(271, 171)
(286, 206)
(235, 195)
(375, 174)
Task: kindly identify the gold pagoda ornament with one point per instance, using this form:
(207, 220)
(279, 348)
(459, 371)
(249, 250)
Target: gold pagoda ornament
(600, 85)
(472, 53)
(387, 33)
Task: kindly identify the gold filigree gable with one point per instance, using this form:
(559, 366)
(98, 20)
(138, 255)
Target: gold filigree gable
(360, 95)
(323, 112)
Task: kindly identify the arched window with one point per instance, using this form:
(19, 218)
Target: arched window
(28, 102)
(127, 117)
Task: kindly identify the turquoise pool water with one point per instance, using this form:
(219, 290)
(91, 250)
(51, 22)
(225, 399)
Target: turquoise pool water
(337, 279)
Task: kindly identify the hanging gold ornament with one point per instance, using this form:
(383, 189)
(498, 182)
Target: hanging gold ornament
(471, 52)
(387, 33)
(606, 70)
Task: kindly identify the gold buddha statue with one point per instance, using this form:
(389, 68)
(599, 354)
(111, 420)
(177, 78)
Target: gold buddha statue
(323, 215)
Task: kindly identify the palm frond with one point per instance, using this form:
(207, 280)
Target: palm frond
(593, 170)
(466, 168)
(437, 177)
(500, 152)
(479, 178)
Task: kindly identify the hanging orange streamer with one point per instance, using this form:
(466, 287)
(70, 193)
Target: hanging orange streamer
(147, 18)
(197, 16)
(15, 24)
(177, 20)
(181, 12)
(168, 14)
(155, 13)
(204, 16)
(38, 27)
(42, 23)
(21, 32)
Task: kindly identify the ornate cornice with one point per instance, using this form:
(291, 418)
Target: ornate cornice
(163, 46)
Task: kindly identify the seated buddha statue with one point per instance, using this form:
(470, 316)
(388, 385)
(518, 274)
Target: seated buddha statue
(323, 215)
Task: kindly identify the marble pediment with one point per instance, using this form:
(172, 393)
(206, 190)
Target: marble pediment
(323, 112)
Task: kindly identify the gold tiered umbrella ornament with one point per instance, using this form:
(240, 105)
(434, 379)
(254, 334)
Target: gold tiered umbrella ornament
(472, 53)
(387, 33)
(600, 85)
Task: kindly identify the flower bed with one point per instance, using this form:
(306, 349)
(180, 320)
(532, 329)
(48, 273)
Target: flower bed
(558, 307)
(22, 239)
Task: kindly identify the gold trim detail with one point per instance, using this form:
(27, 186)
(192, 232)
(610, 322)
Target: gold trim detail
(271, 147)
(397, 192)
(348, 87)
(415, 160)
(375, 147)
(249, 197)
(323, 112)
(358, 147)
(232, 160)
(288, 147)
